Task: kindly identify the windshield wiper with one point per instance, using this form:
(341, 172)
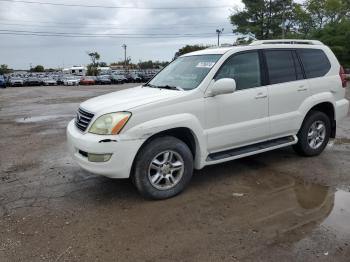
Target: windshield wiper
(164, 87)
(170, 87)
(150, 85)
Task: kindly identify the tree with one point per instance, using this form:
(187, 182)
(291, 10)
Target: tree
(92, 68)
(152, 64)
(262, 18)
(38, 69)
(325, 20)
(102, 64)
(4, 69)
(337, 37)
(189, 48)
(94, 56)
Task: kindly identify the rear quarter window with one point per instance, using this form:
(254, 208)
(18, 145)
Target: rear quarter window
(315, 62)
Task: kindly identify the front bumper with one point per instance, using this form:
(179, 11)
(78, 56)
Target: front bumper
(123, 152)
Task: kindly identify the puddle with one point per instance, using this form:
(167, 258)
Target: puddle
(36, 119)
(338, 220)
(278, 205)
(341, 140)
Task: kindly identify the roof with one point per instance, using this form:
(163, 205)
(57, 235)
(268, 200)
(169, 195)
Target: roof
(212, 51)
(287, 41)
(279, 43)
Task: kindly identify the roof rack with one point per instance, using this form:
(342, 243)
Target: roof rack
(288, 42)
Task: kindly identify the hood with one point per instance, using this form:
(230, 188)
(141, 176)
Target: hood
(129, 98)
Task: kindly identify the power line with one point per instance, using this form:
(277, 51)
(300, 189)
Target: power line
(64, 34)
(166, 27)
(115, 7)
(102, 24)
(118, 37)
(107, 34)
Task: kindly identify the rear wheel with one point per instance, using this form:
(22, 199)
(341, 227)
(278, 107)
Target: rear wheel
(314, 134)
(163, 168)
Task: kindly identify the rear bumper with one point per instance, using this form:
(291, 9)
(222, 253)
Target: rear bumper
(123, 152)
(341, 109)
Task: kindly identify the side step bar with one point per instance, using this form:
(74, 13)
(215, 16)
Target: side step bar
(253, 149)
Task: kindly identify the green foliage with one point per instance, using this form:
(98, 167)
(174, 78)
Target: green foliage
(94, 56)
(5, 70)
(188, 49)
(38, 69)
(262, 18)
(151, 64)
(102, 64)
(337, 37)
(324, 20)
(92, 68)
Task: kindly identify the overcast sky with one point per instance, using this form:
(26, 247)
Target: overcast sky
(18, 51)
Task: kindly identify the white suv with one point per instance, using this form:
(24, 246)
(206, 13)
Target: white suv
(209, 107)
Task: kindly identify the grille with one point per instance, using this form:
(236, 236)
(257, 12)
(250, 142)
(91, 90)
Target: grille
(83, 119)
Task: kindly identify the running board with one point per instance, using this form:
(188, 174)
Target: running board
(253, 149)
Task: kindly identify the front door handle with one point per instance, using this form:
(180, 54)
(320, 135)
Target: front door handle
(302, 89)
(261, 96)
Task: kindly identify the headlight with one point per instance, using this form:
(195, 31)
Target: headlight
(110, 124)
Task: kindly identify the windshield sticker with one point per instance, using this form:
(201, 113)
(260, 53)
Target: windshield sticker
(205, 64)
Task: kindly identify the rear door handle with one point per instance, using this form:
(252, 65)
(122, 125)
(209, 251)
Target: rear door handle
(261, 96)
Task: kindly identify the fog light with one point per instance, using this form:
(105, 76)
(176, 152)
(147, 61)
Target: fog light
(99, 158)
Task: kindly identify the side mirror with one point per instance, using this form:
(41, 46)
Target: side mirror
(223, 86)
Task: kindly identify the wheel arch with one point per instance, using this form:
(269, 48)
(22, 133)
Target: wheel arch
(328, 109)
(185, 134)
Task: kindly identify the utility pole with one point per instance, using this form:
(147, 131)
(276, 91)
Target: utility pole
(219, 32)
(124, 46)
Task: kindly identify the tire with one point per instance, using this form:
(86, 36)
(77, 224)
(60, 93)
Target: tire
(154, 162)
(307, 145)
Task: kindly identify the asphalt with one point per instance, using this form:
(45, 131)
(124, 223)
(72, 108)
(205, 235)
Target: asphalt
(275, 206)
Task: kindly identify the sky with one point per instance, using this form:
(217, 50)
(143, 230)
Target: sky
(32, 34)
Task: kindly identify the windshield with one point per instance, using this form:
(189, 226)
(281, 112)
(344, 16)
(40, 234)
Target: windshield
(185, 72)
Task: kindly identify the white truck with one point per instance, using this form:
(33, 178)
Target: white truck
(212, 106)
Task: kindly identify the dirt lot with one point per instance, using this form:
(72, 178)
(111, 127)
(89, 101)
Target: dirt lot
(271, 207)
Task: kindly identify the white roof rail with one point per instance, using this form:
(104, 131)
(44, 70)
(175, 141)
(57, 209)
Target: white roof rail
(288, 41)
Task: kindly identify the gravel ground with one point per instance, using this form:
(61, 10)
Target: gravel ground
(270, 207)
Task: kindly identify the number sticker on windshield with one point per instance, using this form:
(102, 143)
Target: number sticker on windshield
(205, 64)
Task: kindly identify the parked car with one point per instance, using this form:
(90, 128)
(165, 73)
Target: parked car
(71, 81)
(2, 81)
(134, 78)
(103, 80)
(15, 81)
(33, 81)
(47, 81)
(118, 79)
(88, 80)
(59, 80)
(209, 107)
(146, 76)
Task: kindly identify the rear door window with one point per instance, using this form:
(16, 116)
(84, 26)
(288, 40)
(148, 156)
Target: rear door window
(315, 62)
(281, 66)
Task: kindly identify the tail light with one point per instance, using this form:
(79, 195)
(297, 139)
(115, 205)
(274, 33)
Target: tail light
(343, 76)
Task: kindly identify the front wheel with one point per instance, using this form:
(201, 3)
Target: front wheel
(163, 168)
(314, 134)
